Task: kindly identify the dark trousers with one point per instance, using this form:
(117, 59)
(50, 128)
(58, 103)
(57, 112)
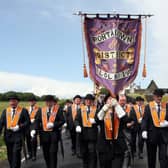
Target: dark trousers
(34, 146)
(118, 160)
(89, 156)
(28, 142)
(31, 144)
(140, 141)
(152, 150)
(14, 153)
(73, 139)
(104, 161)
(50, 154)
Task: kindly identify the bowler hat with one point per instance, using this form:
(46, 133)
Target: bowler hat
(13, 96)
(32, 98)
(77, 96)
(89, 97)
(158, 92)
(138, 98)
(49, 98)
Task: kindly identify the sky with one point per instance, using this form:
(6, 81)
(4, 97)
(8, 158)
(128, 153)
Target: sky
(41, 44)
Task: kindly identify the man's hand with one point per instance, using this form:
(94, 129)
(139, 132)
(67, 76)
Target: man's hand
(113, 102)
(15, 129)
(144, 134)
(140, 120)
(50, 125)
(78, 129)
(164, 124)
(130, 124)
(32, 120)
(92, 120)
(32, 133)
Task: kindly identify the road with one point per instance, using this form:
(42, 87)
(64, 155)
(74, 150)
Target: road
(69, 161)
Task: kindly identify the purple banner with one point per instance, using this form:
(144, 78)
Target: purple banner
(113, 47)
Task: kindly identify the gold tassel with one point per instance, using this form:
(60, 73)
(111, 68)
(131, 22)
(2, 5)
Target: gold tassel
(145, 44)
(85, 74)
(144, 71)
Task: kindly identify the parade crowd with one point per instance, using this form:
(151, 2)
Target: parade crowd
(106, 133)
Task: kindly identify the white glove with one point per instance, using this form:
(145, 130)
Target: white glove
(14, 129)
(144, 134)
(32, 133)
(65, 125)
(101, 113)
(92, 120)
(140, 120)
(78, 129)
(32, 120)
(113, 102)
(119, 111)
(105, 107)
(50, 125)
(164, 124)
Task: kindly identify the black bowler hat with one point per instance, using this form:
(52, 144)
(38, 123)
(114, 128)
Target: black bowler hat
(32, 98)
(158, 92)
(77, 96)
(13, 96)
(138, 98)
(89, 97)
(49, 98)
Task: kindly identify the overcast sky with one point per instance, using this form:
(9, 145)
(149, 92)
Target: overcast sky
(40, 44)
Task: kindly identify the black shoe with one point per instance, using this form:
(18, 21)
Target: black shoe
(135, 155)
(140, 156)
(33, 158)
(29, 156)
(73, 152)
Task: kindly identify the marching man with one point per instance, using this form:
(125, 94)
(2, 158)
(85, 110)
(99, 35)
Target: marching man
(155, 129)
(71, 115)
(111, 141)
(49, 122)
(15, 120)
(87, 127)
(31, 136)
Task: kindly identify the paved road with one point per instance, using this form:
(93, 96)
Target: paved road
(69, 161)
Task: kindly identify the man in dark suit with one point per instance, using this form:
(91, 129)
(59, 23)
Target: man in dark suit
(136, 114)
(31, 136)
(71, 115)
(155, 129)
(87, 127)
(15, 120)
(49, 122)
(111, 140)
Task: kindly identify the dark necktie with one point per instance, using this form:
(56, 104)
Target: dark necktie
(77, 108)
(88, 111)
(13, 112)
(140, 111)
(31, 109)
(159, 110)
(48, 113)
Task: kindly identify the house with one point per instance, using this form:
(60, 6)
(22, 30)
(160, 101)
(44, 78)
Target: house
(146, 92)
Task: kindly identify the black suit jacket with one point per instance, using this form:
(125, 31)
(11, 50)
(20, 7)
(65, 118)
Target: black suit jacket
(155, 134)
(88, 133)
(133, 117)
(70, 122)
(23, 123)
(117, 146)
(54, 135)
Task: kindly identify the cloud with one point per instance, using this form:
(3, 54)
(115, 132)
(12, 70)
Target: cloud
(42, 85)
(157, 38)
